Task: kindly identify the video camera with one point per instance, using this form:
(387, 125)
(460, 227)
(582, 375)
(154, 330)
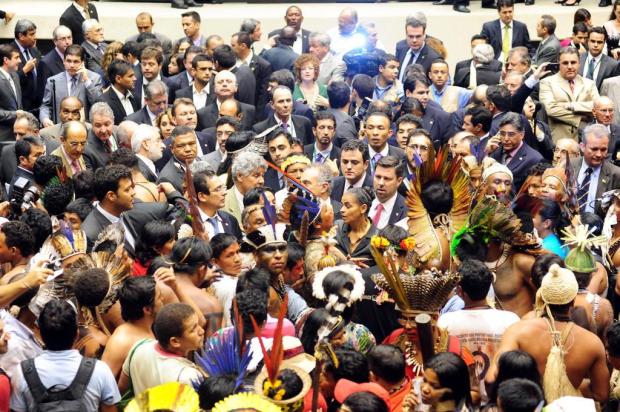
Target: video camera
(24, 196)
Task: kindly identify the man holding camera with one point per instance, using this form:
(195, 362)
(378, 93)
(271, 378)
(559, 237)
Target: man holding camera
(27, 151)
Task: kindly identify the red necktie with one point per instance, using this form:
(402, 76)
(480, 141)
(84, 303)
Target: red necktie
(377, 216)
(571, 84)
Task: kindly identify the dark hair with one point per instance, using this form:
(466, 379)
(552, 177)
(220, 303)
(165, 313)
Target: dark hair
(379, 108)
(324, 115)
(118, 68)
(39, 223)
(107, 179)
(356, 145)
(214, 389)
(411, 105)
(83, 184)
(394, 234)
(224, 56)
(155, 234)
(580, 27)
(334, 284)
(411, 81)
(244, 38)
(538, 169)
(132, 48)
(480, 115)
(201, 57)
(612, 337)
(296, 252)
(593, 221)
(364, 195)
(45, 168)
(75, 50)
(516, 364)
(339, 94)
(135, 294)
(519, 395)
(6, 52)
(55, 198)
(551, 210)
(81, 207)
(194, 15)
(283, 77)
(255, 279)
(479, 37)
(504, 3)
(22, 146)
(437, 197)
(365, 402)
(453, 374)
(156, 263)
(310, 329)
(500, 97)
(387, 362)
(201, 181)
(189, 253)
(541, 266)
(58, 325)
(392, 162)
(352, 366)
(221, 242)
(228, 120)
(476, 278)
(124, 156)
(409, 118)
(548, 22)
(91, 287)
(363, 85)
(254, 195)
(170, 321)
(277, 133)
(19, 235)
(251, 303)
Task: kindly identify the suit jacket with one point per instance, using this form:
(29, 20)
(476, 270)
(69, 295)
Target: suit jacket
(188, 92)
(303, 128)
(608, 179)
(261, 69)
(425, 58)
(172, 173)
(166, 43)
(494, 65)
(231, 205)
(246, 84)
(305, 43)
(230, 224)
(214, 159)
(437, 122)
(28, 81)
(53, 133)
(141, 117)
(177, 82)
(494, 31)
(66, 163)
(58, 86)
(399, 211)
(334, 154)
(50, 65)
(485, 74)
(299, 109)
(608, 67)
(146, 172)
(73, 19)
(272, 180)
(281, 57)
(338, 184)
(94, 56)
(548, 51)
(9, 104)
(332, 69)
(555, 94)
(8, 161)
(111, 98)
(96, 153)
(345, 127)
(208, 115)
(611, 88)
(137, 89)
(520, 164)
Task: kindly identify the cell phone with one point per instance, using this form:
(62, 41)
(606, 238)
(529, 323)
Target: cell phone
(553, 67)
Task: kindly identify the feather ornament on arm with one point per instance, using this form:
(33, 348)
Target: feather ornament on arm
(273, 359)
(194, 212)
(571, 187)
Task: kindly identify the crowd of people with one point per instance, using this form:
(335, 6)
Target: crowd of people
(310, 222)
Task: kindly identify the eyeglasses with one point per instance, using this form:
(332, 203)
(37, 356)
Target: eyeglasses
(508, 134)
(274, 248)
(76, 144)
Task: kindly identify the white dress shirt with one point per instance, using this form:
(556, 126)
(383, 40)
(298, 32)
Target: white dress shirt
(209, 226)
(200, 97)
(298, 46)
(388, 206)
(359, 183)
(149, 163)
(127, 106)
(291, 127)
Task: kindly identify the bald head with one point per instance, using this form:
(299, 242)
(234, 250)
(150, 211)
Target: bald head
(480, 94)
(230, 108)
(288, 35)
(225, 85)
(603, 110)
(125, 131)
(565, 146)
(347, 20)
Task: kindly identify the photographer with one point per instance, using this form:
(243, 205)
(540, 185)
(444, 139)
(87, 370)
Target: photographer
(27, 151)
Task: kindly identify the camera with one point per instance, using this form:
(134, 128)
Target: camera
(361, 61)
(24, 195)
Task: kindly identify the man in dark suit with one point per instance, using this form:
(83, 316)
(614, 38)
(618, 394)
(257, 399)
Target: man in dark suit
(487, 69)
(53, 62)
(184, 148)
(144, 24)
(514, 153)
(284, 77)
(10, 91)
(225, 59)
(595, 174)
(200, 91)
(93, 45)
(297, 126)
(388, 208)
(156, 101)
(339, 96)
(325, 131)
(101, 141)
(25, 42)
(378, 132)
(27, 151)
(74, 16)
(603, 111)
(463, 68)
(151, 60)
(497, 31)
(294, 18)
(283, 56)
(185, 78)
(211, 196)
(119, 96)
(354, 162)
(241, 43)
(595, 65)
(417, 52)
(279, 146)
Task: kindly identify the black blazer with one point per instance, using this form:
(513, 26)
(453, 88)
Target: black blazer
(9, 103)
(146, 172)
(425, 58)
(187, 92)
(494, 65)
(173, 174)
(303, 128)
(362, 250)
(520, 165)
(230, 224)
(246, 84)
(140, 117)
(96, 153)
(299, 109)
(437, 122)
(262, 70)
(399, 211)
(208, 115)
(28, 82)
(73, 19)
(608, 67)
(177, 82)
(333, 155)
(305, 43)
(494, 31)
(338, 185)
(8, 161)
(137, 88)
(115, 104)
(271, 179)
(51, 64)
(485, 74)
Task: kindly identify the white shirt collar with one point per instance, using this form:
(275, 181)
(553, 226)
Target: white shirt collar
(5, 73)
(120, 95)
(384, 152)
(359, 183)
(388, 205)
(149, 163)
(205, 217)
(152, 115)
(107, 215)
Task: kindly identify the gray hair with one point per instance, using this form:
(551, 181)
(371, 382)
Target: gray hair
(31, 119)
(324, 174)
(523, 54)
(249, 25)
(59, 29)
(143, 132)
(483, 53)
(245, 163)
(102, 109)
(513, 119)
(323, 38)
(87, 25)
(125, 131)
(200, 166)
(225, 73)
(417, 19)
(596, 130)
(23, 26)
(155, 88)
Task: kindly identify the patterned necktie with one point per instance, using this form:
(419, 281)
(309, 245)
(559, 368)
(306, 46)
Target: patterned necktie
(86, 13)
(75, 166)
(284, 126)
(319, 158)
(377, 216)
(584, 190)
(375, 160)
(506, 41)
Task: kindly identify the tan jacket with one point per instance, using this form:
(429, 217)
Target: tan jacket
(66, 164)
(232, 206)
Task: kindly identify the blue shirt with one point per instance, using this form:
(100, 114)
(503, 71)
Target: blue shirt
(552, 244)
(463, 97)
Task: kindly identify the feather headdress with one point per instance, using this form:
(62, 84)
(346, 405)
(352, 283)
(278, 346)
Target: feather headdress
(580, 258)
(171, 396)
(192, 209)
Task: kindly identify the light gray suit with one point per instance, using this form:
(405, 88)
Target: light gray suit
(166, 43)
(332, 69)
(88, 95)
(548, 51)
(611, 89)
(213, 159)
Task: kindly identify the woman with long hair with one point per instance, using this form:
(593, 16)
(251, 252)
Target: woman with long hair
(307, 89)
(612, 27)
(446, 383)
(163, 122)
(549, 221)
(354, 231)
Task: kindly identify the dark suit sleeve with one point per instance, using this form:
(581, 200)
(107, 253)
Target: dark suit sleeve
(519, 98)
(308, 134)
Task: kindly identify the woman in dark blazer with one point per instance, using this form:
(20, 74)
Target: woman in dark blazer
(355, 229)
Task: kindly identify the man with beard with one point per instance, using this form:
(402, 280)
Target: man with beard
(323, 149)
(146, 143)
(497, 181)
